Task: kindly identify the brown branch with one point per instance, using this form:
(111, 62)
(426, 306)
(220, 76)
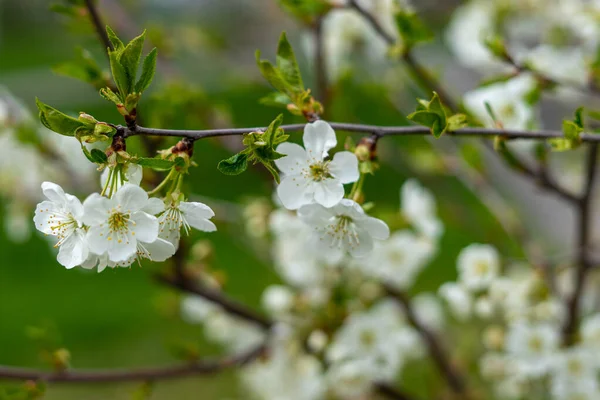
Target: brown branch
(99, 26)
(219, 298)
(391, 392)
(376, 130)
(122, 375)
(436, 351)
(584, 261)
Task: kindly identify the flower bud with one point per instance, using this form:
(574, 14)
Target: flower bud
(87, 118)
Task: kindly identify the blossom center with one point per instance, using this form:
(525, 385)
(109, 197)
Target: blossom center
(536, 344)
(319, 171)
(341, 229)
(118, 224)
(482, 268)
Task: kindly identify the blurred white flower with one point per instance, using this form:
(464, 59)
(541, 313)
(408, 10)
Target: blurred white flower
(344, 226)
(398, 260)
(278, 299)
(419, 208)
(429, 310)
(532, 348)
(308, 177)
(458, 299)
(590, 331)
(575, 375)
(478, 265)
(507, 100)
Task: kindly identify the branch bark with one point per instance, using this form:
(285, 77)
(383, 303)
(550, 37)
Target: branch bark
(122, 375)
(436, 351)
(584, 260)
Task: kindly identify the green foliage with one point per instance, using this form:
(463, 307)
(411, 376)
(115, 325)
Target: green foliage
(286, 78)
(61, 123)
(124, 65)
(572, 131)
(306, 11)
(411, 28)
(433, 115)
(157, 164)
(495, 44)
(85, 68)
(260, 148)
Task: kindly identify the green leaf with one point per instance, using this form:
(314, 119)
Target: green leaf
(84, 68)
(571, 130)
(271, 132)
(306, 10)
(456, 122)
(276, 99)
(579, 117)
(272, 75)
(109, 95)
(119, 75)
(59, 122)
(98, 156)
(148, 70)
(234, 165)
(157, 164)
(287, 64)
(430, 120)
(130, 58)
(114, 39)
(411, 29)
(271, 168)
(560, 144)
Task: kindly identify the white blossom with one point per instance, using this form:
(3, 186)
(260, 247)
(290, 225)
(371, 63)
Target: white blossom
(590, 331)
(308, 177)
(507, 100)
(186, 215)
(278, 299)
(118, 224)
(478, 265)
(344, 226)
(458, 299)
(574, 375)
(61, 216)
(532, 347)
(419, 208)
(399, 260)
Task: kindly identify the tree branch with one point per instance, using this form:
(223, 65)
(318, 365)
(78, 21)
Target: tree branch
(219, 298)
(437, 353)
(99, 26)
(376, 130)
(583, 224)
(142, 374)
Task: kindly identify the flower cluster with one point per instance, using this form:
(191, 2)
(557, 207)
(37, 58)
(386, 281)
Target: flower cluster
(523, 317)
(109, 232)
(335, 332)
(313, 185)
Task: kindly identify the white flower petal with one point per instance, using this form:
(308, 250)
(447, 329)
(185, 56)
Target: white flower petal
(159, 250)
(315, 214)
(73, 251)
(134, 174)
(318, 138)
(294, 191)
(97, 239)
(376, 228)
(199, 210)
(344, 167)
(143, 227)
(54, 192)
(361, 246)
(131, 198)
(154, 206)
(122, 248)
(295, 160)
(328, 192)
(95, 209)
(43, 217)
(74, 206)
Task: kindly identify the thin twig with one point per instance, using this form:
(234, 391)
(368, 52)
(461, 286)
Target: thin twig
(376, 130)
(142, 374)
(98, 24)
(436, 351)
(391, 392)
(584, 261)
(219, 298)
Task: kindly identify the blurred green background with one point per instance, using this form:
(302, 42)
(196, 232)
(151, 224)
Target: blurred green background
(122, 317)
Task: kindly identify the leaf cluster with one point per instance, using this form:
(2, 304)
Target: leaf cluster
(433, 115)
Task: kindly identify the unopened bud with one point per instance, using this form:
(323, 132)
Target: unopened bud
(366, 150)
(61, 359)
(103, 129)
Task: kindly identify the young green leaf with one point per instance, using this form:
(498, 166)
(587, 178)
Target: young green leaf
(287, 64)
(432, 115)
(119, 75)
(148, 70)
(411, 29)
(276, 99)
(114, 39)
(59, 122)
(157, 164)
(234, 165)
(130, 58)
(272, 75)
(98, 156)
(84, 68)
(109, 95)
